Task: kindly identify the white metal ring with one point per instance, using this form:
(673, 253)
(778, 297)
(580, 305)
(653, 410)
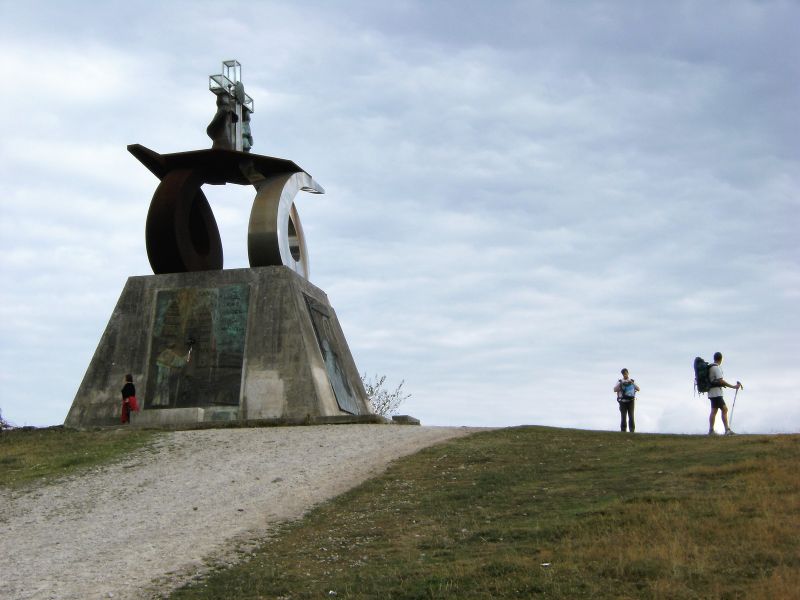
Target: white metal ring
(275, 235)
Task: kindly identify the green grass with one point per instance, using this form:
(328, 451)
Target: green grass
(40, 454)
(552, 513)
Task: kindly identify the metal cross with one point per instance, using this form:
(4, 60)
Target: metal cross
(230, 82)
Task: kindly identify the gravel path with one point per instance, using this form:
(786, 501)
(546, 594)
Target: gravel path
(142, 526)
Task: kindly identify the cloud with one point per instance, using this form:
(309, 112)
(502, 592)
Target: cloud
(521, 198)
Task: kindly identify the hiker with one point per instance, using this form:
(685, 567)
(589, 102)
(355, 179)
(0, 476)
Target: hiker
(129, 402)
(626, 389)
(717, 384)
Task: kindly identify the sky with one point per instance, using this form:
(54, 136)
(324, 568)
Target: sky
(522, 197)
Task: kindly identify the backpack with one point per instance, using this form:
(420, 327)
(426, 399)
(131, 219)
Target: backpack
(627, 389)
(701, 380)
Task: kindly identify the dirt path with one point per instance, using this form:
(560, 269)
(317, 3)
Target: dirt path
(142, 526)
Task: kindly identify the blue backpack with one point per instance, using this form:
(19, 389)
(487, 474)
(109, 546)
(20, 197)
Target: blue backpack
(627, 389)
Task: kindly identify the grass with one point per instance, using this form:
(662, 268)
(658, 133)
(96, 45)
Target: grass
(515, 513)
(552, 513)
(36, 455)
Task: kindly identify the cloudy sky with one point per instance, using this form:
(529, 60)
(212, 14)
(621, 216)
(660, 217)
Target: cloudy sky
(522, 197)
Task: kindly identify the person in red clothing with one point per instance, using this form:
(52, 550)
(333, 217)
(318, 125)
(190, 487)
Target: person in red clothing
(129, 402)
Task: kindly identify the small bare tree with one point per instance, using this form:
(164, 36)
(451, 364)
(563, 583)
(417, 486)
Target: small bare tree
(384, 402)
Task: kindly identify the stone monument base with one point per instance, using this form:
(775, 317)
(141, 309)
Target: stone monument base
(259, 345)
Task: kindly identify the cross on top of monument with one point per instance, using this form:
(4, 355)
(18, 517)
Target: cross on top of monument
(234, 108)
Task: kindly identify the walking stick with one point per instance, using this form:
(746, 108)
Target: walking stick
(730, 421)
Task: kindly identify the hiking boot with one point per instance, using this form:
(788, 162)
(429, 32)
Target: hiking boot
(730, 432)
(712, 432)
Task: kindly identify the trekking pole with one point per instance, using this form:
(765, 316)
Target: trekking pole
(730, 421)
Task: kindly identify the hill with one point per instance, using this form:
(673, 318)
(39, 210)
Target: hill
(125, 514)
(538, 512)
(514, 513)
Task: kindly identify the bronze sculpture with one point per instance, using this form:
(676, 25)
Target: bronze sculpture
(221, 130)
(257, 345)
(181, 233)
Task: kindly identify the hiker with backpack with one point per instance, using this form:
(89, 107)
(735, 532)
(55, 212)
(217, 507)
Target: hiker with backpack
(716, 384)
(626, 389)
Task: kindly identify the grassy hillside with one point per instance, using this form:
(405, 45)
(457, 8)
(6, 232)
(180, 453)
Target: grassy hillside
(552, 513)
(32, 455)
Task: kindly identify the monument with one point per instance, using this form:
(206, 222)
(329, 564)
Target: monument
(211, 346)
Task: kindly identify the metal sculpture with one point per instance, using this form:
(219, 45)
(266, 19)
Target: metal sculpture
(181, 233)
(230, 127)
(257, 345)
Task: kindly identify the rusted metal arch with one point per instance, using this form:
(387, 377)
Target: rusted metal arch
(181, 233)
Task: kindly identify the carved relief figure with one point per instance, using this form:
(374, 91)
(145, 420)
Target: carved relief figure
(168, 379)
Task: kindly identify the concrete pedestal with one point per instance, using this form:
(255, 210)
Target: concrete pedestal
(266, 347)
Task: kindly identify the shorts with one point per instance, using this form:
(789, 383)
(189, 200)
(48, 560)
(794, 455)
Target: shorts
(718, 402)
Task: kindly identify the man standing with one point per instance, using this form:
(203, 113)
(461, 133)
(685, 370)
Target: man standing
(626, 389)
(718, 383)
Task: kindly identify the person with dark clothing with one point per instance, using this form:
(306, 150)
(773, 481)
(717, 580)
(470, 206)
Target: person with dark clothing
(128, 399)
(626, 389)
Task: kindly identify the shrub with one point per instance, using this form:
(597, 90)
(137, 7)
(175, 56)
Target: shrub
(384, 402)
(3, 423)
